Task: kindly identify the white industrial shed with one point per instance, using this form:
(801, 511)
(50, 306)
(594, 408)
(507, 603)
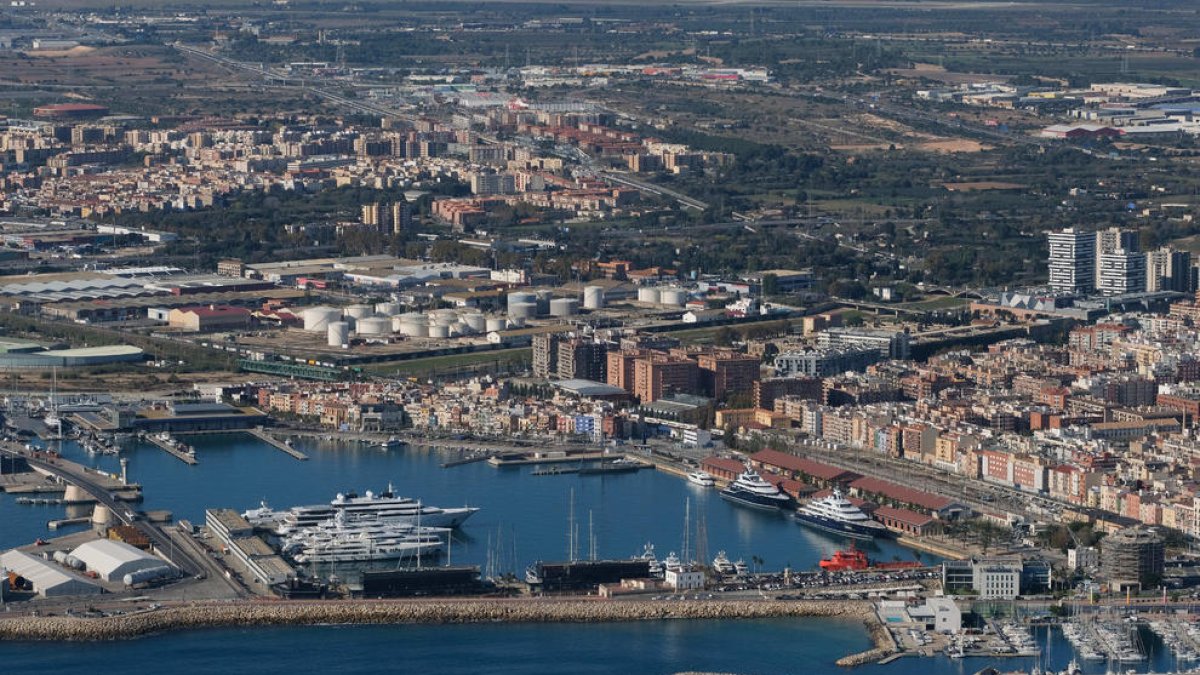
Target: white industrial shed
(49, 579)
(112, 560)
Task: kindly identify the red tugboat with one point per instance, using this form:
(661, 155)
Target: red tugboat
(854, 560)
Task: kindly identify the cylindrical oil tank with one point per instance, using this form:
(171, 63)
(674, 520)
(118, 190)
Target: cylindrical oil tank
(543, 302)
(146, 575)
(675, 297)
(564, 307)
(439, 331)
(415, 328)
(593, 297)
(520, 297)
(75, 563)
(374, 325)
(648, 294)
(339, 334)
(495, 324)
(475, 321)
(522, 311)
(60, 557)
(388, 308)
(317, 319)
(358, 311)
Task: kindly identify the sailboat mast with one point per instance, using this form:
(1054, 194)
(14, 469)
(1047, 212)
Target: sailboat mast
(591, 537)
(571, 528)
(687, 527)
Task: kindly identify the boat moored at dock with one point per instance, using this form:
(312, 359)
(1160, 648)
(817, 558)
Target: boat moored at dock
(751, 490)
(837, 515)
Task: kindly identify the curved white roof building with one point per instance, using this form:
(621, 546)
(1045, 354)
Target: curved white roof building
(112, 560)
(49, 580)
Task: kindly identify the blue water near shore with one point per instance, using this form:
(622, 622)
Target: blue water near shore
(523, 518)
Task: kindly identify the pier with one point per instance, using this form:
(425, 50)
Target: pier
(523, 459)
(479, 456)
(263, 436)
(64, 522)
(174, 448)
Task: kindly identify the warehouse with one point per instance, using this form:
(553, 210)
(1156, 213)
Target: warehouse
(48, 579)
(112, 560)
(70, 358)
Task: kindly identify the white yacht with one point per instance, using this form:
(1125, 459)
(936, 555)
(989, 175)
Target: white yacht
(837, 515)
(701, 478)
(751, 490)
(723, 565)
(656, 568)
(385, 507)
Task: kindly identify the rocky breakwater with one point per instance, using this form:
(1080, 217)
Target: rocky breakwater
(205, 615)
(881, 637)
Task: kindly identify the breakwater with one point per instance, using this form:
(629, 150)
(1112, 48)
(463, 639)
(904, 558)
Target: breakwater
(244, 614)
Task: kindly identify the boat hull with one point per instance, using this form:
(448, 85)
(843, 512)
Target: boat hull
(753, 501)
(841, 528)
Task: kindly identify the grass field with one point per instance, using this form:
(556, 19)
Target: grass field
(456, 363)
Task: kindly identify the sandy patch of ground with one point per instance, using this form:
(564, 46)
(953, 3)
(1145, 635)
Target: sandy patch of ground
(951, 145)
(79, 50)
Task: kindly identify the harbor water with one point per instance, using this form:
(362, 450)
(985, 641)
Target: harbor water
(523, 518)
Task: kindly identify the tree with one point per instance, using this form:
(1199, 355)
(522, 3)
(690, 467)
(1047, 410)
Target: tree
(770, 284)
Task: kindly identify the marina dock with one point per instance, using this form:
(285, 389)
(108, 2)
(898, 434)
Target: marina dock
(480, 456)
(523, 459)
(174, 448)
(263, 436)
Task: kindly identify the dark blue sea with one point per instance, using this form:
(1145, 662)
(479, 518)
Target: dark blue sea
(524, 518)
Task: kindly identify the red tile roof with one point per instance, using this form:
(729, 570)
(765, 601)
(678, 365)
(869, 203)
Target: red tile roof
(900, 493)
(808, 467)
(903, 515)
(730, 465)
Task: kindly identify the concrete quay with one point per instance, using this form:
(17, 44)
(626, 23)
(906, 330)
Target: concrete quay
(267, 438)
(172, 447)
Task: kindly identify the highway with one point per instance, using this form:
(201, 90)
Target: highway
(122, 512)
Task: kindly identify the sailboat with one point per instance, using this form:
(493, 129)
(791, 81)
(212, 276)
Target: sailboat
(52, 421)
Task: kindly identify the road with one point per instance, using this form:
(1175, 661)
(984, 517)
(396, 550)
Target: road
(187, 562)
(296, 83)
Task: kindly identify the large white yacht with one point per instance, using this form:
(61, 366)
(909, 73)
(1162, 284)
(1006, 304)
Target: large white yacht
(384, 507)
(837, 515)
(751, 490)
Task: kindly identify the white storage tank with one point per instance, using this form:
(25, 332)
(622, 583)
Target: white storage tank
(388, 308)
(564, 307)
(414, 328)
(339, 333)
(358, 311)
(317, 319)
(375, 325)
(593, 297)
(475, 321)
(522, 311)
(543, 302)
(675, 297)
(520, 298)
(439, 331)
(495, 324)
(148, 575)
(648, 294)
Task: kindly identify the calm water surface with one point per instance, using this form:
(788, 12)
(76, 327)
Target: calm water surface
(524, 518)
